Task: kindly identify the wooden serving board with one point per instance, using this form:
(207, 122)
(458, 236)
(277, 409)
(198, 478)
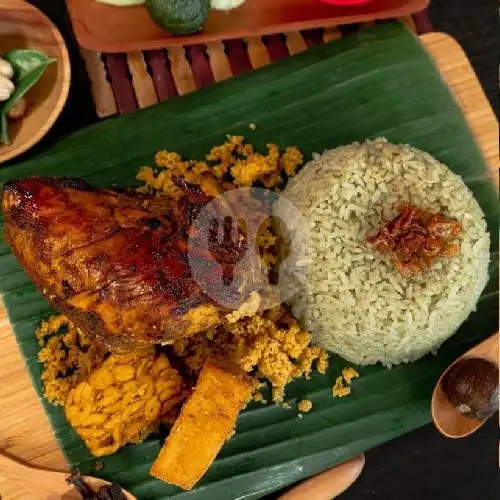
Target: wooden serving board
(24, 428)
(106, 28)
(121, 83)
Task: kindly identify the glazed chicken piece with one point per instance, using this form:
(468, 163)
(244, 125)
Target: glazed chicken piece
(116, 263)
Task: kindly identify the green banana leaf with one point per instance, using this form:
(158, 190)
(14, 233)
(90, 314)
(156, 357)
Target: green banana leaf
(29, 66)
(376, 82)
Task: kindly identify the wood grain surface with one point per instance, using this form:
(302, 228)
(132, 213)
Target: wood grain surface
(38, 484)
(105, 28)
(462, 80)
(121, 83)
(24, 428)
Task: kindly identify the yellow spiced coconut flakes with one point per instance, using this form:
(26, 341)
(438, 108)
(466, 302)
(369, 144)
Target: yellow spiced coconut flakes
(340, 390)
(68, 357)
(226, 166)
(272, 345)
(305, 406)
(119, 400)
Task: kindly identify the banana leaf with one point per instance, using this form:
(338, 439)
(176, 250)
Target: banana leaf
(378, 82)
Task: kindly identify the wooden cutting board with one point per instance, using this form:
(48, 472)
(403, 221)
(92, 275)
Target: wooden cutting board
(24, 429)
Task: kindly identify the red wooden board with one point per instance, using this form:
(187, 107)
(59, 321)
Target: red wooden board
(121, 83)
(107, 28)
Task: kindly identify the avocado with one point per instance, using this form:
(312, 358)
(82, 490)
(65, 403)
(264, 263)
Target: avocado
(179, 17)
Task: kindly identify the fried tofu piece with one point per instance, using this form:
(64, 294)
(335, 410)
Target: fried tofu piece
(206, 421)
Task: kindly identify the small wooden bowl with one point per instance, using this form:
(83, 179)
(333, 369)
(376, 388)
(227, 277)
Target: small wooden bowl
(23, 26)
(447, 419)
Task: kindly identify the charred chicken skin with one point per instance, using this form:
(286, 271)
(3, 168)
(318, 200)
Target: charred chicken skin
(115, 262)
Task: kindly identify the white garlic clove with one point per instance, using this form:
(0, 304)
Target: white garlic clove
(6, 69)
(226, 4)
(4, 94)
(6, 88)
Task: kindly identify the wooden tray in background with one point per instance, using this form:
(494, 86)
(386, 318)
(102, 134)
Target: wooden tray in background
(24, 429)
(121, 83)
(112, 29)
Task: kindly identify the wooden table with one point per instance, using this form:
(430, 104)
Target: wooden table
(24, 428)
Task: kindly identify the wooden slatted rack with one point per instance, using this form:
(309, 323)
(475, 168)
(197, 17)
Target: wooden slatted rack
(121, 83)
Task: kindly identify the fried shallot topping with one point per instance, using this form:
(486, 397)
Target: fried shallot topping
(415, 238)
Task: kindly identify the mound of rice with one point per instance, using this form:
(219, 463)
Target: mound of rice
(355, 303)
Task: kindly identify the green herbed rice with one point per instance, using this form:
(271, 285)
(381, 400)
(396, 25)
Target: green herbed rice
(354, 302)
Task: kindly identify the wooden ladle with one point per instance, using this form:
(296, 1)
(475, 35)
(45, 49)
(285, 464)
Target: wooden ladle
(447, 419)
(38, 484)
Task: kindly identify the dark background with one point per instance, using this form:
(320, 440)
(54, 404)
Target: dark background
(423, 464)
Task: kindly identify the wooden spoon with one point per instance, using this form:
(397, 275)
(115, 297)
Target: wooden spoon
(446, 418)
(329, 484)
(38, 484)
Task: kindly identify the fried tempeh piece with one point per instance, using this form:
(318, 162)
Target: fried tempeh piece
(205, 422)
(124, 400)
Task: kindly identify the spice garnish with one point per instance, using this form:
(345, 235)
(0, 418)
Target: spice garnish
(415, 238)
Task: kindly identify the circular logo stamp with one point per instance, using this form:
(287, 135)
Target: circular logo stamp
(247, 241)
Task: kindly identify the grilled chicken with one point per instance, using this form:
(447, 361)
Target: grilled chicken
(116, 263)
